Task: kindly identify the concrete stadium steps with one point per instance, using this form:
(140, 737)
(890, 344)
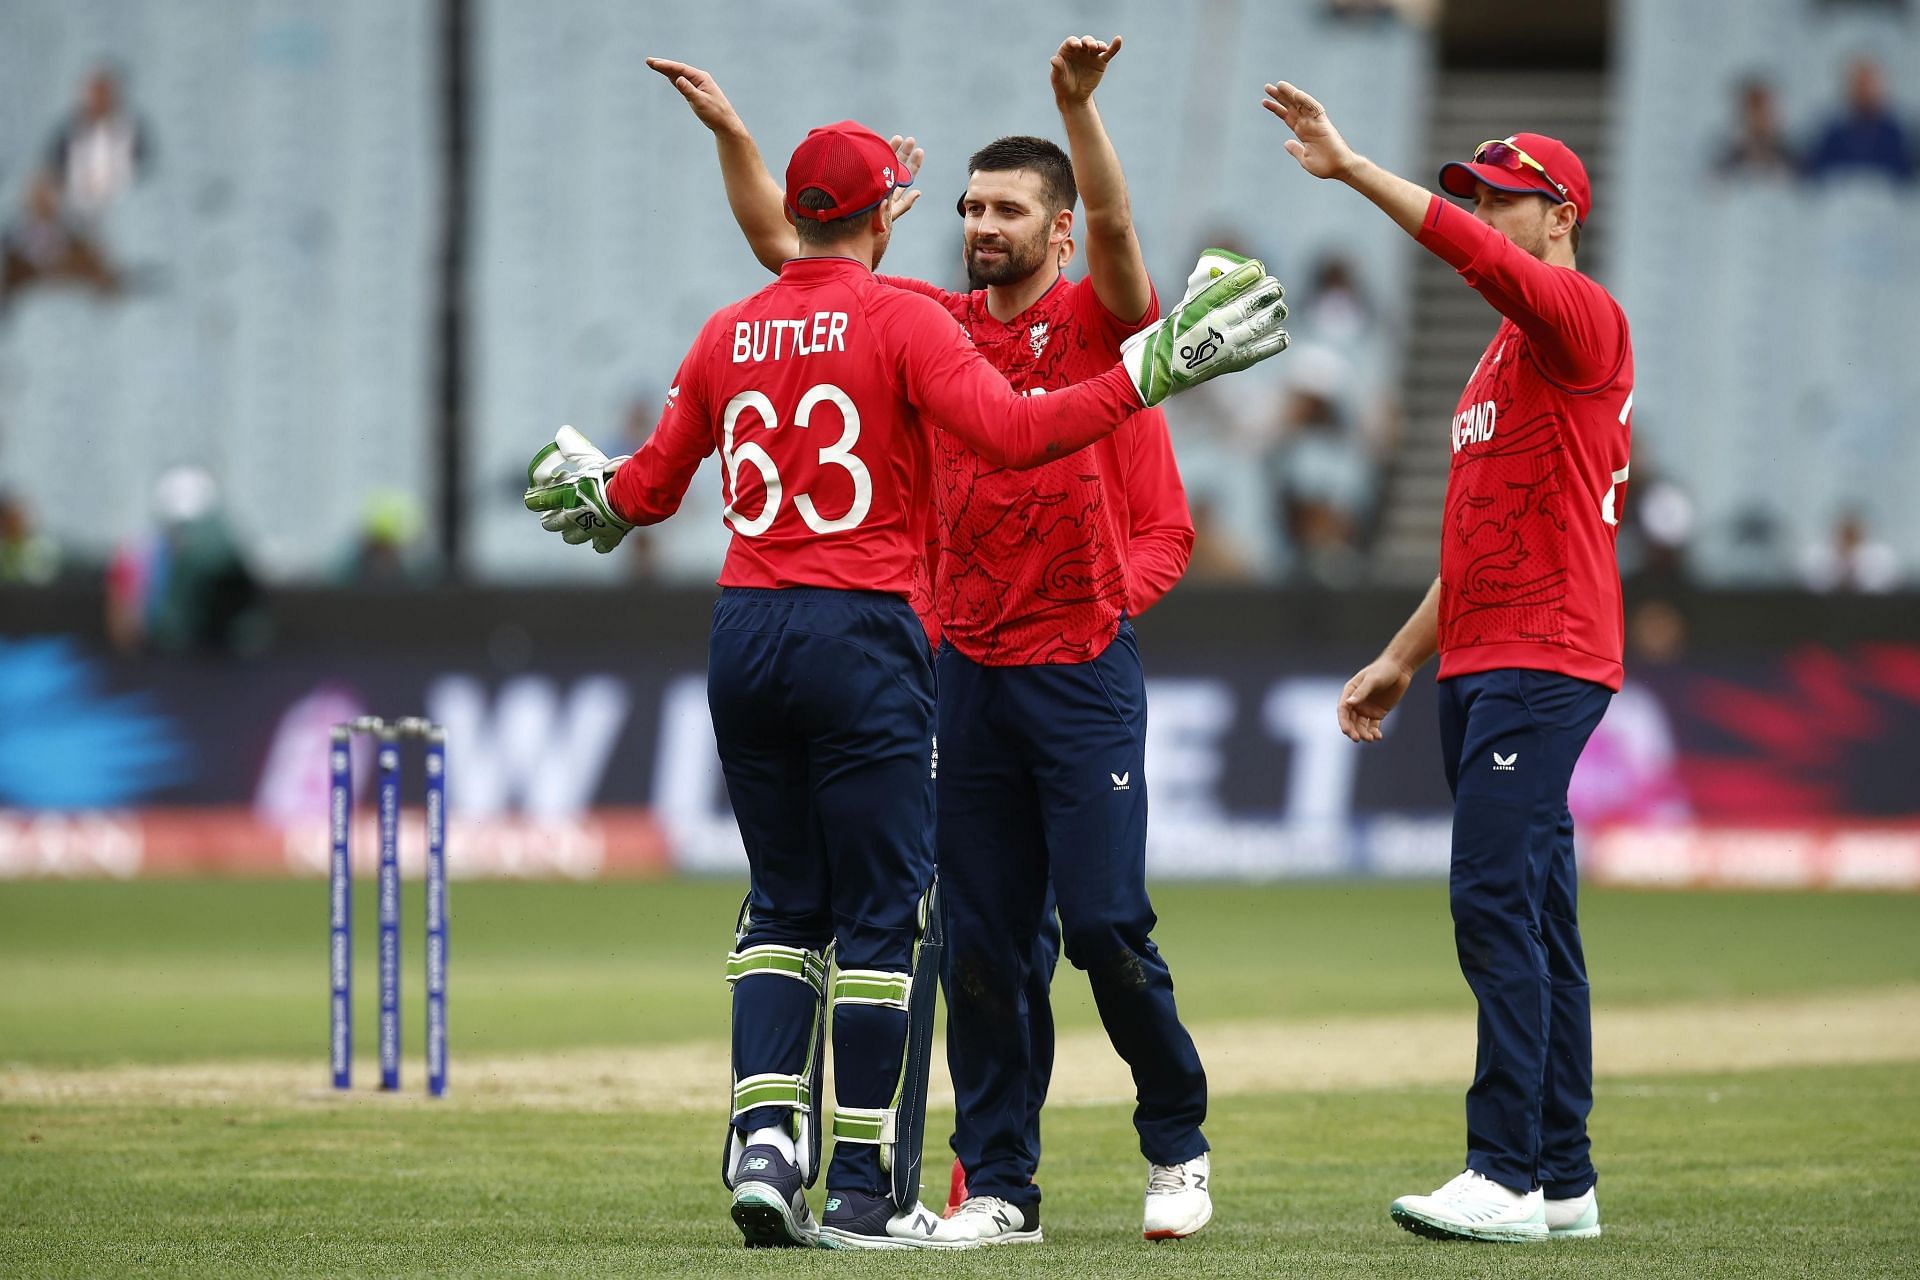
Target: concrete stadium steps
(1450, 325)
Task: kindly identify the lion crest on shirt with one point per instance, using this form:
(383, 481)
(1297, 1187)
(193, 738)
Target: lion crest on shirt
(1037, 337)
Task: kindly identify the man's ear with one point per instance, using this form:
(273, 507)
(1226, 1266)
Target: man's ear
(788, 214)
(1066, 252)
(1561, 219)
(1062, 229)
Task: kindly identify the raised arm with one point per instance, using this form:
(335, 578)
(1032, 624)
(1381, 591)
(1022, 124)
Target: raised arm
(754, 195)
(1576, 328)
(1114, 261)
(1322, 152)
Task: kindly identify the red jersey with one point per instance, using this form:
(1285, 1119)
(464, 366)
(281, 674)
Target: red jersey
(1038, 566)
(1528, 576)
(820, 392)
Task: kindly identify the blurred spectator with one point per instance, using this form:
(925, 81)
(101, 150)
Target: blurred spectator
(185, 587)
(26, 557)
(1657, 525)
(44, 246)
(1851, 560)
(1217, 553)
(387, 552)
(100, 149)
(1755, 550)
(1758, 149)
(1868, 137)
(1338, 308)
(1656, 632)
(1323, 471)
(1418, 11)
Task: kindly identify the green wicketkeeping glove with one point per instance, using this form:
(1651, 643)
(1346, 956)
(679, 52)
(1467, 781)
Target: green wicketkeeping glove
(567, 485)
(1229, 319)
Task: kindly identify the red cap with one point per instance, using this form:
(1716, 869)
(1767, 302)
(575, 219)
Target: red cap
(848, 161)
(1565, 178)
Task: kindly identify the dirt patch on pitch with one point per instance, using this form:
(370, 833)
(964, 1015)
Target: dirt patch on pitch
(1241, 1057)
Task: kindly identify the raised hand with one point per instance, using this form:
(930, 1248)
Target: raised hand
(1315, 143)
(1078, 66)
(702, 93)
(911, 156)
(1229, 319)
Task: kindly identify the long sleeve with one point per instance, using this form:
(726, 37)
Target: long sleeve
(949, 381)
(1576, 329)
(651, 484)
(1159, 525)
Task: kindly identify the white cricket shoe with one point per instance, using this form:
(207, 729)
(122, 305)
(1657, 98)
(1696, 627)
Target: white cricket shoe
(991, 1220)
(1178, 1203)
(1575, 1218)
(1473, 1207)
(857, 1220)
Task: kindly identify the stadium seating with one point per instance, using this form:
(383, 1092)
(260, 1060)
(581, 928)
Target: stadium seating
(1770, 322)
(279, 325)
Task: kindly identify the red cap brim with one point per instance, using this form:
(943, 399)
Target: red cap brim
(1457, 178)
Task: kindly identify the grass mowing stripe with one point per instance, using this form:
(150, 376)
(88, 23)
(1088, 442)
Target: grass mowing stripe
(168, 971)
(1728, 1175)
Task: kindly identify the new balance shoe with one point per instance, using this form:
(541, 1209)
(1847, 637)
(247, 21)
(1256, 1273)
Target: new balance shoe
(856, 1220)
(1473, 1207)
(1178, 1202)
(991, 1220)
(770, 1201)
(1575, 1218)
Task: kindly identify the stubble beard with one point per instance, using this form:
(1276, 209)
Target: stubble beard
(1019, 262)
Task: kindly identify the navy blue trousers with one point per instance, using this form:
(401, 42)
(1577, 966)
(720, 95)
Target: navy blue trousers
(1042, 775)
(1038, 1012)
(1510, 739)
(823, 713)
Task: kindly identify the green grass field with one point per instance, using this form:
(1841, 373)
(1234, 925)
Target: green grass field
(108, 992)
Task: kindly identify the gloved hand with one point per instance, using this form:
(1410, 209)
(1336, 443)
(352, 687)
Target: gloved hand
(567, 484)
(1229, 319)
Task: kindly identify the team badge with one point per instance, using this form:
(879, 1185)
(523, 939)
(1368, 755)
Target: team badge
(1037, 337)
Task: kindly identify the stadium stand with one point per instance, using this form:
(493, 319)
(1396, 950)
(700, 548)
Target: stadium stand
(275, 327)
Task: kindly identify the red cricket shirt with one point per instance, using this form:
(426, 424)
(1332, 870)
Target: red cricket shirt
(1038, 566)
(820, 392)
(1540, 440)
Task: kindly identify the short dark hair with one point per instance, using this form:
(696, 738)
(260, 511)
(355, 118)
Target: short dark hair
(813, 233)
(1573, 238)
(1036, 156)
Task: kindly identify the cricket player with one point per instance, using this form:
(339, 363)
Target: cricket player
(1526, 618)
(1042, 707)
(821, 392)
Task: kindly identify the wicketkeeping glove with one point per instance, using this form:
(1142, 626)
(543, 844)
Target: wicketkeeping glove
(567, 484)
(1229, 319)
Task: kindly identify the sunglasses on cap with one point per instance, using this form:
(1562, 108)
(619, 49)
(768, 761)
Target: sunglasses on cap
(1502, 154)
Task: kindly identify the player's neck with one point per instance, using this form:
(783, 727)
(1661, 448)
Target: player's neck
(1005, 301)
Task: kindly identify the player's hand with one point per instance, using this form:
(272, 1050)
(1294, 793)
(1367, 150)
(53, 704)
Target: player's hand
(567, 485)
(1229, 319)
(1374, 690)
(1078, 67)
(911, 156)
(1315, 143)
(702, 93)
